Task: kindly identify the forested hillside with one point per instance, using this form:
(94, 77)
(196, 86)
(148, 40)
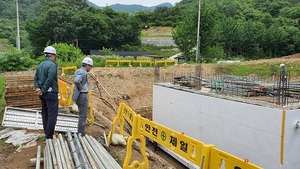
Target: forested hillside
(251, 28)
(247, 29)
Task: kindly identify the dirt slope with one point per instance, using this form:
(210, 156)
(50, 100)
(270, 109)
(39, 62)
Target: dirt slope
(132, 86)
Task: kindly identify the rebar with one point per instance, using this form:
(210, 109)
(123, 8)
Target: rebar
(269, 89)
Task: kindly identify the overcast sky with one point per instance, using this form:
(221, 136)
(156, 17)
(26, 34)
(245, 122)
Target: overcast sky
(147, 3)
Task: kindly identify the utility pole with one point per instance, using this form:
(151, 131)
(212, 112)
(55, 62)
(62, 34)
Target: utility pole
(198, 34)
(18, 28)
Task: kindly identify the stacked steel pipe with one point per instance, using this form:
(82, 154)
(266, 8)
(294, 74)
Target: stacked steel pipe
(77, 151)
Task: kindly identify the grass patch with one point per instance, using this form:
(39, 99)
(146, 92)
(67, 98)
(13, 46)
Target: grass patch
(164, 51)
(262, 69)
(244, 70)
(157, 32)
(2, 100)
(41, 138)
(2, 142)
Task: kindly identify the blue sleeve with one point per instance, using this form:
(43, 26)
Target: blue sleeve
(78, 79)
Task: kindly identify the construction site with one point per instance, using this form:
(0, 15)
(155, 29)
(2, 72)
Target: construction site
(235, 122)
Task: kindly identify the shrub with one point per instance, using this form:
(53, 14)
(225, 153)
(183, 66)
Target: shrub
(214, 53)
(16, 60)
(67, 52)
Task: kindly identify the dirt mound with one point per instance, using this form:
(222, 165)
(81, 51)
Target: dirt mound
(294, 56)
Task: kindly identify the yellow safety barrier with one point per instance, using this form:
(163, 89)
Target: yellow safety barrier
(130, 62)
(126, 113)
(71, 94)
(118, 62)
(142, 61)
(136, 135)
(165, 62)
(179, 143)
(65, 94)
(205, 156)
(63, 69)
(220, 159)
(90, 119)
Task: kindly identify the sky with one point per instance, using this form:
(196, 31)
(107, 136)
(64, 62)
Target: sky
(147, 3)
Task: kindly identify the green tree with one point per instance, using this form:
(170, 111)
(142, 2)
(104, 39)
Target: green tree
(144, 17)
(253, 38)
(185, 36)
(89, 29)
(7, 30)
(275, 37)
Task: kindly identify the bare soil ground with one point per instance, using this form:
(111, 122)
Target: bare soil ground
(133, 86)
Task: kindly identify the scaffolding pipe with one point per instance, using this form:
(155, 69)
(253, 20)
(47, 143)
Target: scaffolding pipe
(81, 152)
(95, 157)
(106, 155)
(69, 154)
(38, 158)
(58, 158)
(62, 158)
(104, 162)
(73, 150)
(88, 154)
(52, 153)
(93, 154)
(65, 152)
(49, 161)
(46, 156)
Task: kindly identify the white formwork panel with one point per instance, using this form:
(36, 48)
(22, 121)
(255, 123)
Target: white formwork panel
(239, 128)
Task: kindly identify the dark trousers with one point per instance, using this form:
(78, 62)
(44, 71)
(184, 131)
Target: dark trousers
(82, 103)
(49, 113)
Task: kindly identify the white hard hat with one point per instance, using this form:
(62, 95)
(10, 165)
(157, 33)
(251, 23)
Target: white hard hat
(88, 60)
(281, 65)
(50, 50)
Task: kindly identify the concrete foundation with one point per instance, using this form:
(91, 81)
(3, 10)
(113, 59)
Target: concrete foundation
(266, 134)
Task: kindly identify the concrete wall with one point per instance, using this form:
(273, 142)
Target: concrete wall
(241, 129)
(166, 41)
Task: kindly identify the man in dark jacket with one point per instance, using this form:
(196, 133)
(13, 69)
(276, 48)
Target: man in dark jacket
(46, 87)
(81, 90)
